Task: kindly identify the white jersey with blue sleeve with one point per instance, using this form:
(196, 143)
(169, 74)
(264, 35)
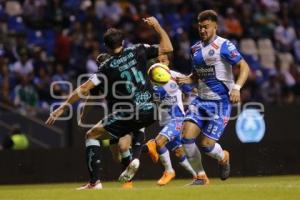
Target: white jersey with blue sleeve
(186, 89)
(169, 98)
(213, 65)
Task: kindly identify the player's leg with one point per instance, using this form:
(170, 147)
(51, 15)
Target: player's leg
(176, 146)
(164, 156)
(168, 138)
(114, 149)
(121, 154)
(130, 165)
(124, 145)
(211, 133)
(93, 155)
(192, 125)
(126, 157)
(163, 152)
(138, 140)
(140, 120)
(183, 161)
(190, 132)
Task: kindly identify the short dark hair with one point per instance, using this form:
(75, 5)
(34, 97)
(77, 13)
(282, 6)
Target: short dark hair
(113, 38)
(208, 15)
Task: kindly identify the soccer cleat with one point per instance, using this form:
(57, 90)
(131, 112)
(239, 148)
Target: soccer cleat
(91, 186)
(127, 185)
(224, 167)
(166, 178)
(130, 171)
(200, 180)
(152, 150)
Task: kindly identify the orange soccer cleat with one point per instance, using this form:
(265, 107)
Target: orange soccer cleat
(127, 185)
(152, 150)
(200, 180)
(166, 178)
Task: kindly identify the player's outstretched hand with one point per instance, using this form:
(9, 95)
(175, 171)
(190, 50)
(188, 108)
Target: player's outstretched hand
(54, 115)
(235, 96)
(151, 21)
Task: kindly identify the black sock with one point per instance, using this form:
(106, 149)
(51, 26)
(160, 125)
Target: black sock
(125, 162)
(93, 162)
(137, 144)
(145, 149)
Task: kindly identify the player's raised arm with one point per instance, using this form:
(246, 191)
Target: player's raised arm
(73, 97)
(165, 45)
(235, 95)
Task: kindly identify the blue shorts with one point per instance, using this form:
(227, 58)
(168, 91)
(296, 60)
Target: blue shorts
(173, 132)
(211, 116)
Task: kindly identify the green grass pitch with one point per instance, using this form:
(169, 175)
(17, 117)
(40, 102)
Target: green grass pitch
(254, 188)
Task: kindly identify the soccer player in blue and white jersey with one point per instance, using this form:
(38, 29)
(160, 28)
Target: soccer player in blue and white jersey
(171, 109)
(213, 58)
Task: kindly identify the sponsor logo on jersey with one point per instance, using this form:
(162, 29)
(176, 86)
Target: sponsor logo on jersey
(119, 61)
(142, 97)
(205, 72)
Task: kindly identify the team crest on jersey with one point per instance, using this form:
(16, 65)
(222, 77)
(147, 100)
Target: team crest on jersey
(173, 85)
(211, 52)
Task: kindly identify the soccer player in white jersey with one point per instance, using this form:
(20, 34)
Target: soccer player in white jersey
(169, 97)
(213, 58)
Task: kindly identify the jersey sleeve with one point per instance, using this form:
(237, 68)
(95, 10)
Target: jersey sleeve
(176, 74)
(230, 53)
(95, 80)
(151, 51)
(171, 87)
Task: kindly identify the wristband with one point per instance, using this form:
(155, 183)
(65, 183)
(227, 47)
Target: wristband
(237, 87)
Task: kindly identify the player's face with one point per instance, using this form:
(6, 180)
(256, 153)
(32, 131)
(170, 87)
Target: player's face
(164, 59)
(207, 30)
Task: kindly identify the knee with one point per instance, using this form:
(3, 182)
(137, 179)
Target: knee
(207, 145)
(123, 147)
(206, 142)
(89, 134)
(116, 157)
(160, 143)
(179, 152)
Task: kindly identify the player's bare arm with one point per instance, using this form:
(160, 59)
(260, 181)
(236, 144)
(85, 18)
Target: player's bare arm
(190, 79)
(165, 45)
(82, 90)
(235, 95)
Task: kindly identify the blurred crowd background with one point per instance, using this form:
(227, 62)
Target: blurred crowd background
(44, 41)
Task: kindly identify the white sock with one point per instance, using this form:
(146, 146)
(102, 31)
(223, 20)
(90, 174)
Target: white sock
(187, 166)
(125, 154)
(166, 160)
(216, 152)
(194, 157)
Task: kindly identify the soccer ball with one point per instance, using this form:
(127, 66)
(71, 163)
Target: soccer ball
(159, 74)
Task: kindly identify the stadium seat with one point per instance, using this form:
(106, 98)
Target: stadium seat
(285, 59)
(248, 46)
(16, 24)
(266, 53)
